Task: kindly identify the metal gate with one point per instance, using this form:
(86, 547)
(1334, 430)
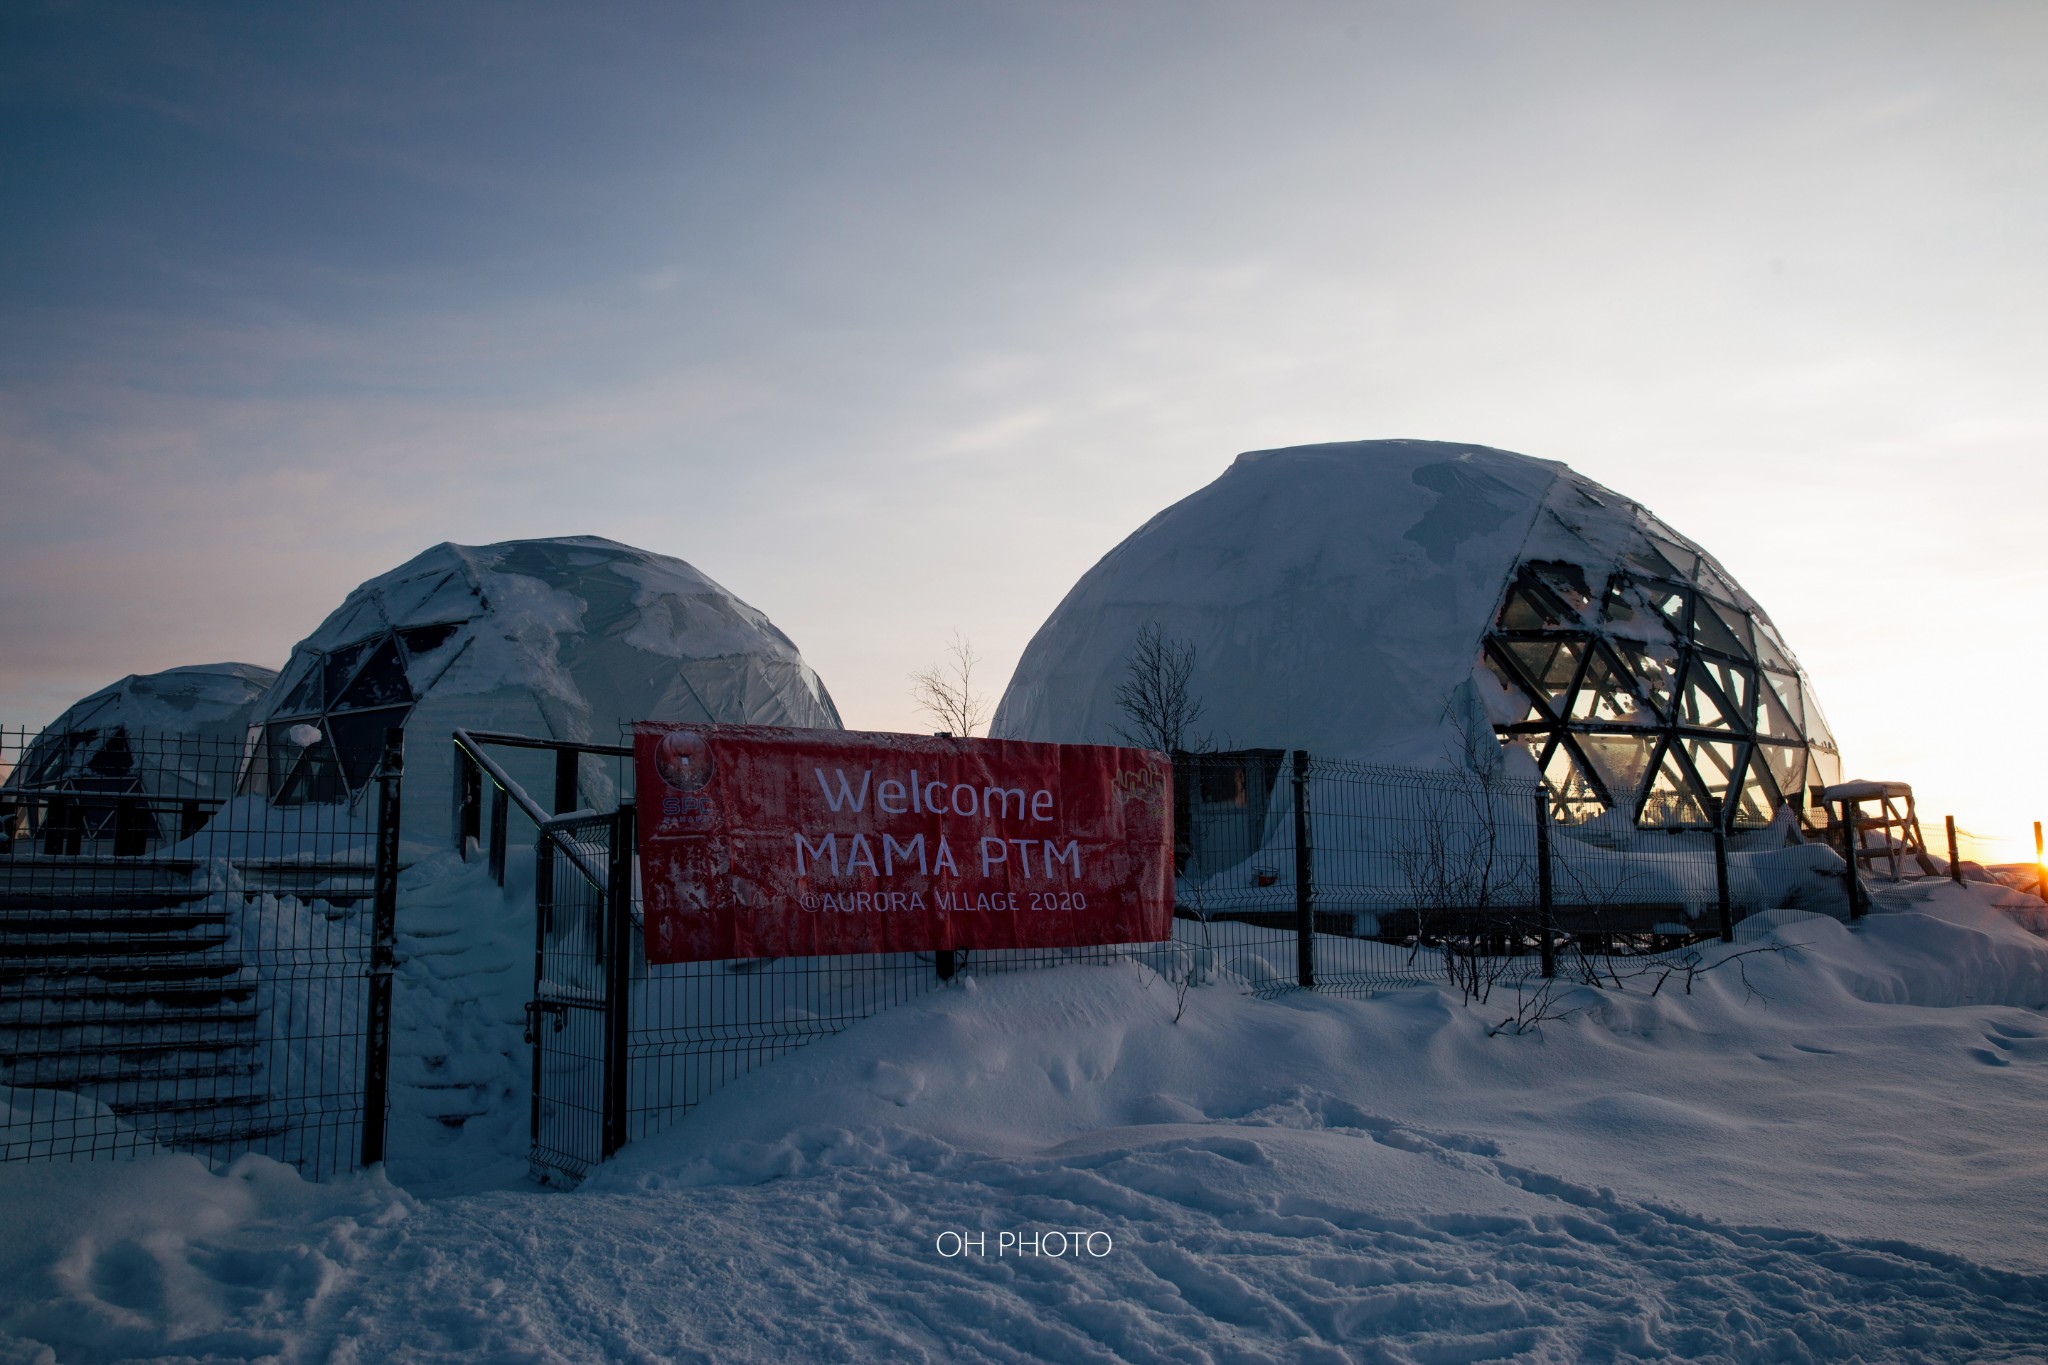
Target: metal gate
(582, 973)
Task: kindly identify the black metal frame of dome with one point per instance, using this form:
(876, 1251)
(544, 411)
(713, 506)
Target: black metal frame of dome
(1661, 695)
(351, 695)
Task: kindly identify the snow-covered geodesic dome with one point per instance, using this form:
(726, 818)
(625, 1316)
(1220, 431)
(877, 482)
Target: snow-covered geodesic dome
(1378, 600)
(167, 738)
(567, 638)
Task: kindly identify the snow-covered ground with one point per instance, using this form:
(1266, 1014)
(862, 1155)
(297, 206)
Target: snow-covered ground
(1842, 1159)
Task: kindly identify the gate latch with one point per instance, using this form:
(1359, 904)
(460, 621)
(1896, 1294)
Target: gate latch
(535, 1008)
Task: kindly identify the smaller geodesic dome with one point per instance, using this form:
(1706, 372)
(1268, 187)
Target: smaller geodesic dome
(130, 755)
(567, 639)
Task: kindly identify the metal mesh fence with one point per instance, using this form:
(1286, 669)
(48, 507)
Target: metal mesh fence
(182, 963)
(1290, 872)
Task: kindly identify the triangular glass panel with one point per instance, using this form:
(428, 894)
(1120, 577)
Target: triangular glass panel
(1550, 664)
(315, 780)
(1817, 731)
(1737, 622)
(1680, 558)
(1619, 761)
(1670, 801)
(447, 598)
(1714, 579)
(1526, 610)
(114, 759)
(1773, 720)
(426, 639)
(1823, 766)
(1770, 656)
(1566, 584)
(1715, 762)
(1605, 693)
(303, 696)
(1648, 558)
(1755, 802)
(1737, 684)
(1656, 672)
(1573, 799)
(1786, 765)
(1712, 632)
(358, 741)
(1704, 705)
(379, 682)
(340, 666)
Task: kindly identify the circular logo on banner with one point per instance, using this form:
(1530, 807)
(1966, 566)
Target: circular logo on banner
(684, 760)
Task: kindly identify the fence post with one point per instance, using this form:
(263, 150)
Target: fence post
(1955, 861)
(501, 809)
(469, 800)
(946, 963)
(565, 780)
(2040, 866)
(1304, 889)
(1721, 872)
(383, 951)
(1849, 858)
(1546, 902)
(618, 998)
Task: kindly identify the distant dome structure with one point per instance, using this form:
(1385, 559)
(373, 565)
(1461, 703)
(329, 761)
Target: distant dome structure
(168, 737)
(566, 638)
(1381, 600)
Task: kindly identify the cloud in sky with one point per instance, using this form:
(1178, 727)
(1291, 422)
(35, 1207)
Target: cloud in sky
(894, 317)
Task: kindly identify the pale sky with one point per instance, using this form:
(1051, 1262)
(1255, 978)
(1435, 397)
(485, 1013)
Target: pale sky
(894, 317)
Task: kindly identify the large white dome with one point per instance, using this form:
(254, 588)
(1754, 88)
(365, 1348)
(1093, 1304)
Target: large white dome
(1357, 599)
(569, 638)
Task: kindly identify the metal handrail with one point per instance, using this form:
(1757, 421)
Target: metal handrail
(469, 745)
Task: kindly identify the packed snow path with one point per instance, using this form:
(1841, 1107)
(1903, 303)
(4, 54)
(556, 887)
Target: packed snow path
(1847, 1167)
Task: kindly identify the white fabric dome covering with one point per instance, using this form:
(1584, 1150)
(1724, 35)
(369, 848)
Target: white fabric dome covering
(1357, 600)
(568, 638)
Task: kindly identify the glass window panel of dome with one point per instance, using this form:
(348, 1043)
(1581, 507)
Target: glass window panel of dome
(1703, 704)
(280, 753)
(1552, 665)
(302, 697)
(1823, 769)
(379, 682)
(1775, 720)
(340, 666)
(358, 740)
(1737, 621)
(1619, 761)
(1606, 693)
(1566, 584)
(1737, 685)
(1573, 799)
(1755, 799)
(1670, 801)
(1786, 763)
(1650, 558)
(1715, 762)
(1681, 559)
(1526, 609)
(1656, 672)
(315, 779)
(1712, 631)
(421, 640)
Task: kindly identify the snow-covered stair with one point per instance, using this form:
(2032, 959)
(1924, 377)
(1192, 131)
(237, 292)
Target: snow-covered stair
(127, 990)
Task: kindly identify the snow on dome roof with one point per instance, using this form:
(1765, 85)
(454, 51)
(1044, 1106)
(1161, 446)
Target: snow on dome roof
(567, 638)
(210, 699)
(1368, 599)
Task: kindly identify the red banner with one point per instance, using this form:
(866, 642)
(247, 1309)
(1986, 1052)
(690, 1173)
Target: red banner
(765, 842)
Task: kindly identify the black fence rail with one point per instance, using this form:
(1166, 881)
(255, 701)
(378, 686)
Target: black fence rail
(186, 962)
(1291, 872)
